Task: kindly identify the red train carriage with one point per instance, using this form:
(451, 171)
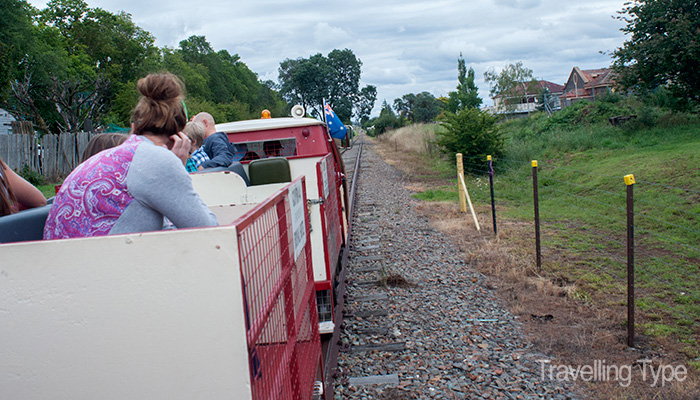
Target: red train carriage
(223, 312)
(286, 148)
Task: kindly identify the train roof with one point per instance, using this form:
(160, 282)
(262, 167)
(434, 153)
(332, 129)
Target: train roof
(266, 124)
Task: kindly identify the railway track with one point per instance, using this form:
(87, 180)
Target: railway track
(418, 321)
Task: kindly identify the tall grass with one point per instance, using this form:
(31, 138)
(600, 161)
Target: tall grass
(416, 138)
(582, 207)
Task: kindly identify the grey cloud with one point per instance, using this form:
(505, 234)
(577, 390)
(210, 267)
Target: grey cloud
(405, 47)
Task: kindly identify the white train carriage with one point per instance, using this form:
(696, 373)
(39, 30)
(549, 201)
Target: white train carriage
(222, 312)
(304, 148)
(206, 313)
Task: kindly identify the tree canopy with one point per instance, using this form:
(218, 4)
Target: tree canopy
(421, 107)
(335, 78)
(68, 63)
(512, 84)
(467, 93)
(663, 50)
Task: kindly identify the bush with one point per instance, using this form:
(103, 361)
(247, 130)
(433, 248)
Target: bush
(383, 123)
(472, 132)
(31, 176)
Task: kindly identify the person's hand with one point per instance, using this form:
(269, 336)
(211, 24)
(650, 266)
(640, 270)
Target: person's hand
(181, 146)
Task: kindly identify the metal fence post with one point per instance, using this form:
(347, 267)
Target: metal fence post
(629, 181)
(538, 250)
(493, 201)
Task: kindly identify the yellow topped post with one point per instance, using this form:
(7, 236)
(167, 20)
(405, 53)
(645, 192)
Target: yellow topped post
(460, 174)
(629, 179)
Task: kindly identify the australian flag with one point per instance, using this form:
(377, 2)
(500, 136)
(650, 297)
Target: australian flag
(335, 127)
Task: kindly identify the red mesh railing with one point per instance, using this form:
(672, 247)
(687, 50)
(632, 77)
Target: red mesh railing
(279, 299)
(331, 211)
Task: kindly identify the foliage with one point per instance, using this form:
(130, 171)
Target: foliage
(219, 83)
(663, 50)
(16, 40)
(512, 84)
(387, 120)
(467, 94)
(585, 125)
(472, 132)
(69, 62)
(335, 78)
(365, 104)
(31, 176)
(417, 108)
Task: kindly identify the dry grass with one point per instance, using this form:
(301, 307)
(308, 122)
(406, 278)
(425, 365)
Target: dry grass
(416, 139)
(572, 327)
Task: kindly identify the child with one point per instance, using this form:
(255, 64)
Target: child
(195, 131)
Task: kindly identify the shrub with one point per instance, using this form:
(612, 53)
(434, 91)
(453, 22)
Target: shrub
(31, 176)
(472, 132)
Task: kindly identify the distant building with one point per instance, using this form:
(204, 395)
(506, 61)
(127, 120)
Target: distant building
(6, 120)
(587, 84)
(521, 105)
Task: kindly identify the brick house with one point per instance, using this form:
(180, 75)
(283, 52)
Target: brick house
(587, 84)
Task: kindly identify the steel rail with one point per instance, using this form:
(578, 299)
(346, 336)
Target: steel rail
(331, 361)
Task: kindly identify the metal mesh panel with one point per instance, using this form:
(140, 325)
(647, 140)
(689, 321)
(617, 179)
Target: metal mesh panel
(280, 308)
(330, 211)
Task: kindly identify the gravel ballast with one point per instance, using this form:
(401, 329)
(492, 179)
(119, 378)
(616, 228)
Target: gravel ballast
(419, 321)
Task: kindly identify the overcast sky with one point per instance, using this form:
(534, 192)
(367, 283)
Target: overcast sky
(405, 46)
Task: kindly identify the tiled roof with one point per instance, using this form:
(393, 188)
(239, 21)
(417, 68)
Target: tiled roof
(553, 87)
(598, 77)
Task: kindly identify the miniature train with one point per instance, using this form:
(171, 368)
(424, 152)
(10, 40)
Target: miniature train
(234, 311)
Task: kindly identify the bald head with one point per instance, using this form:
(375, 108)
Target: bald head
(207, 120)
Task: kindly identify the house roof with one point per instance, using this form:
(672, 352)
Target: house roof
(597, 77)
(554, 88)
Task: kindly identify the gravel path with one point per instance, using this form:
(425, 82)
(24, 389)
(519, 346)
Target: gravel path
(419, 323)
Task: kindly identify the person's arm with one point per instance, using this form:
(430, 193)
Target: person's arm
(218, 150)
(158, 180)
(27, 195)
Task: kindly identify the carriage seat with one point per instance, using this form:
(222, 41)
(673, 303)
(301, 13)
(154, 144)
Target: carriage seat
(269, 170)
(24, 225)
(234, 167)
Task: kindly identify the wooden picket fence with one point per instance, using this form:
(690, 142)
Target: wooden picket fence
(53, 156)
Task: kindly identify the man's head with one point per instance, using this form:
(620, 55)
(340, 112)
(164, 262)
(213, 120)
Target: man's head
(207, 120)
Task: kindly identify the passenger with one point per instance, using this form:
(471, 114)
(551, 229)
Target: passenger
(132, 187)
(102, 142)
(250, 156)
(216, 144)
(17, 194)
(272, 148)
(195, 131)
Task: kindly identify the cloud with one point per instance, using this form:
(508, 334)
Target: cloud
(518, 4)
(405, 47)
(327, 36)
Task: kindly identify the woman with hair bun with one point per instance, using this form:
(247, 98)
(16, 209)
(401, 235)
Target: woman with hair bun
(132, 187)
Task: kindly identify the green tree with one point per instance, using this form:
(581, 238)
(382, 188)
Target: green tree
(421, 107)
(472, 132)
(16, 40)
(511, 85)
(335, 78)
(387, 120)
(368, 96)
(467, 93)
(663, 50)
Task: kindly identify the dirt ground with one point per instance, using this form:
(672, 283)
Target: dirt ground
(571, 331)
